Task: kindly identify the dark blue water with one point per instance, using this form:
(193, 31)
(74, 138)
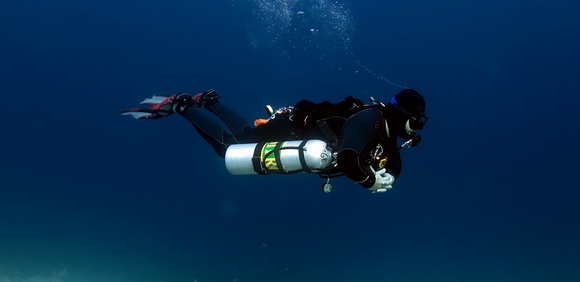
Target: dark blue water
(491, 193)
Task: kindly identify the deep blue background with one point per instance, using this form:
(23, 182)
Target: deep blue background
(491, 194)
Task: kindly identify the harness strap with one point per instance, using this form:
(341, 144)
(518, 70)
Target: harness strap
(257, 159)
(325, 128)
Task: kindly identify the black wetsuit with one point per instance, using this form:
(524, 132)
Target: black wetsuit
(353, 130)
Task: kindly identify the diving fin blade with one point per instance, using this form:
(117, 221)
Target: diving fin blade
(154, 100)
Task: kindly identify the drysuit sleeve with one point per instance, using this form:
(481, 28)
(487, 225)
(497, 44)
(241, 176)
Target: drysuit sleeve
(360, 135)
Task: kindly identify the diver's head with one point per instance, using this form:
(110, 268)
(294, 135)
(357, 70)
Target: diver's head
(407, 108)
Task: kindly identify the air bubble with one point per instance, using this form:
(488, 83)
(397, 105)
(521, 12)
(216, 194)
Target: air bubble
(298, 21)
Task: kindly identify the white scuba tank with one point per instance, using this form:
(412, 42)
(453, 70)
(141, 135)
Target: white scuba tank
(278, 157)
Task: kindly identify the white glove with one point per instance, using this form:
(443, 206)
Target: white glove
(383, 181)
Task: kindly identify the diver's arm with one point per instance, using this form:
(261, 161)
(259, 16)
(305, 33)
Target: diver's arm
(354, 154)
(358, 135)
(349, 163)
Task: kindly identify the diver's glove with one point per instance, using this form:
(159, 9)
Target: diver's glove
(383, 181)
(161, 106)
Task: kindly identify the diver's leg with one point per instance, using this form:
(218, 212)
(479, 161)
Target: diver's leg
(235, 122)
(210, 130)
(278, 129)
(210, 100)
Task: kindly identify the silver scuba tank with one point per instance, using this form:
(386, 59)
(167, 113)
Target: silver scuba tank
(278, 157)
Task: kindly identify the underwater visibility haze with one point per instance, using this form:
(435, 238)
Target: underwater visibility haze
(490, 194)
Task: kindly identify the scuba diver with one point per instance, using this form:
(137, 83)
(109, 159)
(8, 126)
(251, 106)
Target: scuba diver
(348, 138)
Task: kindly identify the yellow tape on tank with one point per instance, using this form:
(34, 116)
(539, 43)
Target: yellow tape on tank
(269, 158)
